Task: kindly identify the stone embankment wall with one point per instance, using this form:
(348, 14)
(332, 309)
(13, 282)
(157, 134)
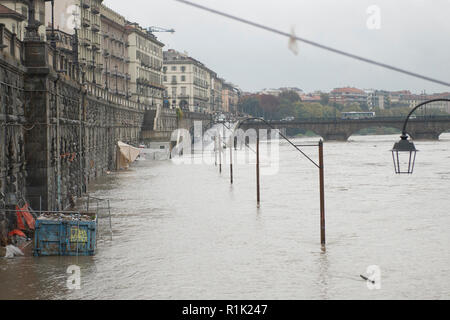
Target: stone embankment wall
(12, 134)
(56, 133)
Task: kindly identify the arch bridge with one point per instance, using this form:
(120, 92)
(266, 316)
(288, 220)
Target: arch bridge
(419, 128)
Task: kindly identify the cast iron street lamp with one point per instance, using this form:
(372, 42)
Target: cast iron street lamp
(404, 151)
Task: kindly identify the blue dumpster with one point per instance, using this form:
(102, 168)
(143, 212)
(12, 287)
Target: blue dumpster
(65, 238)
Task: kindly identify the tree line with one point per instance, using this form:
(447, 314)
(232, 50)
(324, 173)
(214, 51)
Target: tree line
(289, 104)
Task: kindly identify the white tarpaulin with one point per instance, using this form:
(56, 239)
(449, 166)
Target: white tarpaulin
(126, 154)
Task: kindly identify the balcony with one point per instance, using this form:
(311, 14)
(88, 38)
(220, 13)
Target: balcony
(95, 27)
(206, 99)
(86, 23)
(85, 42)
(95, 9)
(183, 96)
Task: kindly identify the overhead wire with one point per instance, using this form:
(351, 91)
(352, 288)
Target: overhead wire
(316, 44)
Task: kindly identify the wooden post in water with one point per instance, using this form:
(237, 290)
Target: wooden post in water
(322, 195)
(258, 197)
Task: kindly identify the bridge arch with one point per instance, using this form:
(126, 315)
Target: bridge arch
(304, 131)
(377, 130)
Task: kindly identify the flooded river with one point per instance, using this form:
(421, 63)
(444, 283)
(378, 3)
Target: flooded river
(183, 232)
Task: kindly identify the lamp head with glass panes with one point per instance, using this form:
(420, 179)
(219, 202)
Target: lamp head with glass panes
(404, 156)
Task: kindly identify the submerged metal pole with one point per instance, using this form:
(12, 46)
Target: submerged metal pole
(258, 197)
(322, 195)
(220, 154)
(231, 159)
(215, 151)
(110, 221)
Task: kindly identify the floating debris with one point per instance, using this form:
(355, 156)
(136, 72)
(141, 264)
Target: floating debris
(367, 279)
(12, 251)
(65, 217)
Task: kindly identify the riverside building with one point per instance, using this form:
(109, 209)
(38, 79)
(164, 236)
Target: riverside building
(145, 53)
(188, 82)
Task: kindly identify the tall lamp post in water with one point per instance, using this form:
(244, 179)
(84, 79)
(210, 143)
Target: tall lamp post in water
(404, 152)
(319, 165)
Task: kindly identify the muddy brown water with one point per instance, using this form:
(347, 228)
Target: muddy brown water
(183, 232)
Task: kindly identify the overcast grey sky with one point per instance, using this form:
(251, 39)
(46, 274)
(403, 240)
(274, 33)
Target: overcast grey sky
(414, 35)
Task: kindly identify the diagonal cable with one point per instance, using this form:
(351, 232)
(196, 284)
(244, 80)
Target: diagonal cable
(315, 44)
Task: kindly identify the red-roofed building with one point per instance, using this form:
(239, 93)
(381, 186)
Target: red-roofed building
(310, 98)
(348, 95)
(398, 96)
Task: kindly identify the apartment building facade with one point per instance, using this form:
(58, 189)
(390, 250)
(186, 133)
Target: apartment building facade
(14, 15)
(89, 39)
(348, 95)
(230, 97)
(145, 53)
(115, 61)
(415, 99)
(216, 93)
(376, 99)
(81, 18)
(187, 82)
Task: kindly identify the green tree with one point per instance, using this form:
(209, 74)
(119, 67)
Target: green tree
(354, 107)
(324, 99)
(269, 105)
(289, 96)
(250, 105)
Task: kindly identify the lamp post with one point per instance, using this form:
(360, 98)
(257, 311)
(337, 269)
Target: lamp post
(117, 87)
(126, 83)
(94, 81)
(53, 37)
(404, 152)
(106, 71)
(320, 166)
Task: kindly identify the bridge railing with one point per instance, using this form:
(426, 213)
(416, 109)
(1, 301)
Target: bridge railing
(375, 119)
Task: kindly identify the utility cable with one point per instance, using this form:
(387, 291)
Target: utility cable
(316, 44)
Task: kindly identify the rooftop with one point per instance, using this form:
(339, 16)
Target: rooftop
(5, 11)
(347, 90)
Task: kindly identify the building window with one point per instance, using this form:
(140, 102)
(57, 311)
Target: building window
(174, 78)
(174, 68)
(183, 78)
(183, 69)
(165, 78)
(183, 91)
(42, 17)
